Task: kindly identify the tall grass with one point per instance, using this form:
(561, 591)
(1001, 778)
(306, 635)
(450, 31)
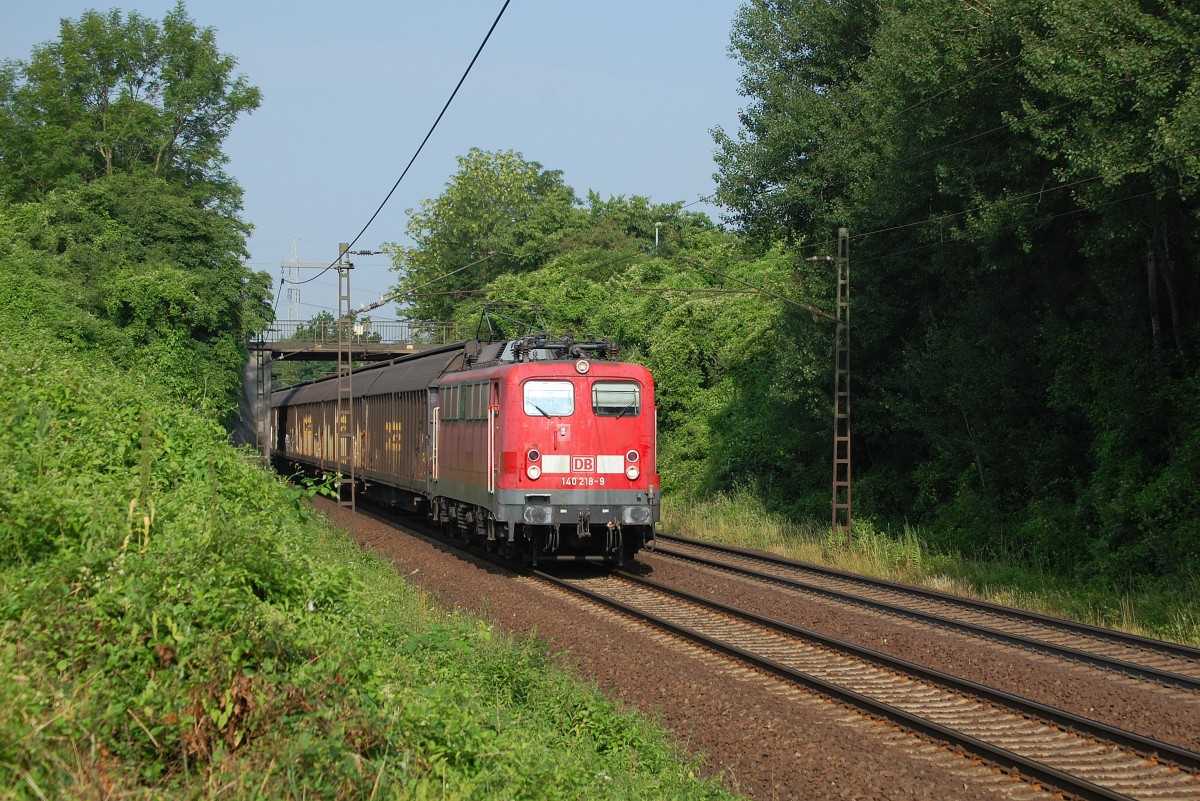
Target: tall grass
(174, 623)
(1164, 610)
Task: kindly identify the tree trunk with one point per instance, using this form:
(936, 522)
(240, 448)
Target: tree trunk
(1152, 295)
(1168, 273)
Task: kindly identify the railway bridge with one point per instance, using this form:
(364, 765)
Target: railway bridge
(322, 341)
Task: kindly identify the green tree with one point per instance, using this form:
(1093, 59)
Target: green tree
(1018, 176)
(110, 146)
(319, 328)
(499, 214)
(122, 95)
(785, 167)
(676, 294)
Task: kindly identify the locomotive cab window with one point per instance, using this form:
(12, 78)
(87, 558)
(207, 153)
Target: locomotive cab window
(616, 399)
(549, 398)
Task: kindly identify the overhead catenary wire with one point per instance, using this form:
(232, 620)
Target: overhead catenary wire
(420, 147)
(813, 310)
(411, 291)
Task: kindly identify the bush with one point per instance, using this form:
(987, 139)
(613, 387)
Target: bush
(173, 621)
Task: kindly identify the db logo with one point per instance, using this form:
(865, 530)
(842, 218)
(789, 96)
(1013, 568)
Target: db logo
(583, 464)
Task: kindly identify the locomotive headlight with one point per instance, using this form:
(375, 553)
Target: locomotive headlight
(582, 366)
(632, 472)
(533, 455)
(534, 472)
(631, 456)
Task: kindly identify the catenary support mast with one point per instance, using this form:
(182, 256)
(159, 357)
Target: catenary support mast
(841, 391)
(346, 439)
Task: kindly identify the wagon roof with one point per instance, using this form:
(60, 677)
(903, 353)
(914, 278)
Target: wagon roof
(403, 374)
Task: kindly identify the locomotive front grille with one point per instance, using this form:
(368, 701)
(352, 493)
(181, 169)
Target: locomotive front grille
(597, 509)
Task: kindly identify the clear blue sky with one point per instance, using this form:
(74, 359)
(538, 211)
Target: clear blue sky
(620, 95)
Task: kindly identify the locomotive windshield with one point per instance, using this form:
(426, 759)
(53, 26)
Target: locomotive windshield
(616, 399)
(549, 398)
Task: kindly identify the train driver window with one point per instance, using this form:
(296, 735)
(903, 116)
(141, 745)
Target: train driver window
(549, 398)
(616, 399)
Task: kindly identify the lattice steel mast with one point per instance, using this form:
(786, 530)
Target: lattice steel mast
(346, 440)
(841, 391)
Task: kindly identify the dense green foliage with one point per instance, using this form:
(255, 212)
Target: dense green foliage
(122, 95)
(128, 265)
(120, 228)
(174, 623)
(1020, 179)
(731, 368)
(499, 214)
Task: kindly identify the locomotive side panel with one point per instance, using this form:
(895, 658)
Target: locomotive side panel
(466, 425)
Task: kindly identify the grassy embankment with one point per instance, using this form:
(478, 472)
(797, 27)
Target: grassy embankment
(174, 623)
(1166, 610)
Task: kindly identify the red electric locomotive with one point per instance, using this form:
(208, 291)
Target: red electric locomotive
(538, 447)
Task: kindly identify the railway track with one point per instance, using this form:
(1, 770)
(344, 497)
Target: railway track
(1164, 663)
(1049, 751)
(1078, 756)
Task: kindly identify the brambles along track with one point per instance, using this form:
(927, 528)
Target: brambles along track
(1166, 663)
(1078, 756)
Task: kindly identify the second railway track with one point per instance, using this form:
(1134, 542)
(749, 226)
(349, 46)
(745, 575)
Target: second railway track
(1081, 757)
(1165, 663)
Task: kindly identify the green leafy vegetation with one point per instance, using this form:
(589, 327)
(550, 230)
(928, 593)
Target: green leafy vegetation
(1018, 179)
(499, 214)
(174, 621)
(123, 95)
(114, 207)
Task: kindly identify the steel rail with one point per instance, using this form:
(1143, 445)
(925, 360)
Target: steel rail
(1146, 672)
(1012, 762)
(1016, 764)
(1118, 637)
(1145, 746)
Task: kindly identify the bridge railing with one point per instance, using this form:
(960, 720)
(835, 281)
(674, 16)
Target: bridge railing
(384, 332)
